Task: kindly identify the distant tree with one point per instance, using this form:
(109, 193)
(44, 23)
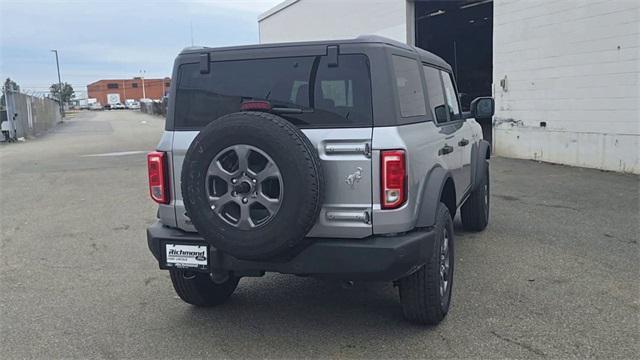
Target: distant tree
(9, 85)
(67, 91)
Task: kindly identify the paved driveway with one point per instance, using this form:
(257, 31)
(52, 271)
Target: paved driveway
(555, 274)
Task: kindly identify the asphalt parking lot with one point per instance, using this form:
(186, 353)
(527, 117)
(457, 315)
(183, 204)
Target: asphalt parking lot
(554, 276)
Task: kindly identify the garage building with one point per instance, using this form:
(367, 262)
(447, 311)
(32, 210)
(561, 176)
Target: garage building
(128, 89)
(564, 74)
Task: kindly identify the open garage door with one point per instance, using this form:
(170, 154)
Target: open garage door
(460, 32)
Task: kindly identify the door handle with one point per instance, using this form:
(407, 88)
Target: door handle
(446, 149)
(463, 142)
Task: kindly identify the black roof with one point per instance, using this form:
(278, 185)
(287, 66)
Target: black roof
(363, 39)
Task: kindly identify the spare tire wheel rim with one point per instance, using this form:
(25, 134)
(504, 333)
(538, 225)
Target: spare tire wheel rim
(244, 186)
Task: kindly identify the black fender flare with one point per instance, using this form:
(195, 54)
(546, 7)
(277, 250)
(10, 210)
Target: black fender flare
(479, 153)
(431, 194)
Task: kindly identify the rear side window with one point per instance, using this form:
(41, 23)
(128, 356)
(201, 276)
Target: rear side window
(435, 92)
(409, 86)
(328, 96)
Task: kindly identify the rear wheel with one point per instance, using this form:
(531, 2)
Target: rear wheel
(199, 289)
(475, 211)
(426, 294)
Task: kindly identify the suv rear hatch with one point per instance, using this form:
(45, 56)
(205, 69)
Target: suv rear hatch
(327, 96)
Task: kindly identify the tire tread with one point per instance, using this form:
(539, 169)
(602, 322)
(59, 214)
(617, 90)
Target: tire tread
(420, 291)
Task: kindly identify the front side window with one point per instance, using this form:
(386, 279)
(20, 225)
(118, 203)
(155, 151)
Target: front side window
(328, 96)
(409, 86)
(435, 92)
(452, 98)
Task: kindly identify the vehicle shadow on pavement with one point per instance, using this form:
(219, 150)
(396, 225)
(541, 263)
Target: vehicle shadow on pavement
(285, 316)
(285, 308)
(284, 311)
(290, 297)
(285, 300)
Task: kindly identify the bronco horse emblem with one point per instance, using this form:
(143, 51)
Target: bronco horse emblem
(354, 178)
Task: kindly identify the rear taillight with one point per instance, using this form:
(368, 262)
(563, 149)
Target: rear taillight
(158, 184)
(394, 178)
(255, 105)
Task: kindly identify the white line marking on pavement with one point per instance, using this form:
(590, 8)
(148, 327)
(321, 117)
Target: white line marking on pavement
(121, 153)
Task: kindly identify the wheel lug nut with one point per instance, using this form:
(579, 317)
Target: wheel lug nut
(244, 200)
(254, 181)
(234, 181)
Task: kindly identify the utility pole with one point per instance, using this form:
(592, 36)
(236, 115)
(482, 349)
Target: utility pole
(59, 84)
(144, 94)
(191, 27)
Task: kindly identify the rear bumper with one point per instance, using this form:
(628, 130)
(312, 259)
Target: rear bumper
(377, 258)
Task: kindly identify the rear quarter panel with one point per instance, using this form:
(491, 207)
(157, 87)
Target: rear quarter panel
(421, 142)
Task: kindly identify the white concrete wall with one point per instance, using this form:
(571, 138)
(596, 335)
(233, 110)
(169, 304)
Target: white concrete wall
(576, 66)
(303, 20)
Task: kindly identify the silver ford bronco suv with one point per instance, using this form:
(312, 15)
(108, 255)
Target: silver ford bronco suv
(335, 159)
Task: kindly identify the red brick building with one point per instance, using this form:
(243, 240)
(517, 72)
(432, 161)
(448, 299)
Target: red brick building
(128, 89)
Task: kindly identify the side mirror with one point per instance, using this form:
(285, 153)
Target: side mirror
(441, 113)
(482, 107)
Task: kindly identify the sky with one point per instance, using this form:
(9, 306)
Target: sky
(114, 39)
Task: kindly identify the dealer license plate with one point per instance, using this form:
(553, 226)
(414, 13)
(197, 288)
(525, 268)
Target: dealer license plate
(181, 256)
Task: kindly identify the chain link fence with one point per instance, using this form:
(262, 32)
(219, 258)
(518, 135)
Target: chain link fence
(28, 116)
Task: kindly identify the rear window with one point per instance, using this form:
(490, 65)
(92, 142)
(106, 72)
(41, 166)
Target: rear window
(328, 96)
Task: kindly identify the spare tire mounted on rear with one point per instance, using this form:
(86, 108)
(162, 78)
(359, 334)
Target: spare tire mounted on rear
(252, 185)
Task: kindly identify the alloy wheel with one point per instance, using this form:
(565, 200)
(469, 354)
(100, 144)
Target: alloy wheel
(244, 186)
(445, 273)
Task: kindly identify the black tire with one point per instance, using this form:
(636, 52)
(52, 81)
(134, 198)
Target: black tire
(300, 170)
(198, 289)
(475, 210)
(420, 293)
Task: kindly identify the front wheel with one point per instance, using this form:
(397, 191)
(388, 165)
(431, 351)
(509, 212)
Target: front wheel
(199, 289)
(475, 211)
(425, 295)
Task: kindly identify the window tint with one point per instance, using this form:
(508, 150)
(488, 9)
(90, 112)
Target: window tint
(436, 94)
(337, 91)
(296, 88)
(409, 86)
(452, 98)
(328, 96)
